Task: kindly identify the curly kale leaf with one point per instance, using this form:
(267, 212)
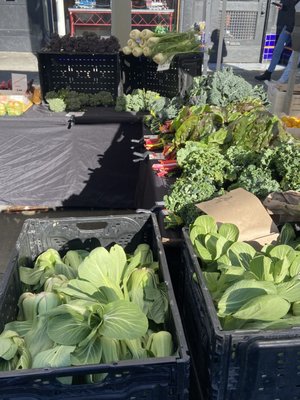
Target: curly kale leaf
(240, 158)
(203, 174)
(287, 165)
(188, 190)
(197, 92)
(165, 108)
(138, 100)
(203, 161)
(223, 88)
(257, 180)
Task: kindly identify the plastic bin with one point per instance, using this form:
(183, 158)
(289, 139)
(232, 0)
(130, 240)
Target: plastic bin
(148, 379)
(82, 72)
(141, 73)
(239, 364)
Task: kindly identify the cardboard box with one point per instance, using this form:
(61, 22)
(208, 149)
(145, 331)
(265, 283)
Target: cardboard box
(246, 211)
(295, 132)
(276, 95)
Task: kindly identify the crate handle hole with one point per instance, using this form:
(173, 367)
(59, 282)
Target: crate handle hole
(87, 226)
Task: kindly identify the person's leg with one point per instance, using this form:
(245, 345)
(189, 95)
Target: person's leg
(285, 75)
(283, 39)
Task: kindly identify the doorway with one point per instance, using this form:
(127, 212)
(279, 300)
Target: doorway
(244, 29)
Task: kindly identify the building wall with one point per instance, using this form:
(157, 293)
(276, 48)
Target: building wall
(22, 25)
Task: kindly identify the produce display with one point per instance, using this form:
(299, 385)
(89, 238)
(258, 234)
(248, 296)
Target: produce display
(6, 85)
(88, 308)
(251, 289)
(70, 100)
(160, 47)
(14, 105)
(138, 100)
(222, 137)
(89, 42)
(291, 121)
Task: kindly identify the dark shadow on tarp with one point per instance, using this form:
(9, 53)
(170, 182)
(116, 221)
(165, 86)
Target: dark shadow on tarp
(113, 184)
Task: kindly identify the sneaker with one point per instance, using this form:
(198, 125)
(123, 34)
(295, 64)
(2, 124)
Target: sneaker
(266, 76)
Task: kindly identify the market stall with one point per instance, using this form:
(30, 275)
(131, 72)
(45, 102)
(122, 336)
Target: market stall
(203, 153)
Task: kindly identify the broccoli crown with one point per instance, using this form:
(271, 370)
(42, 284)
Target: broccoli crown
(56, 105)
(75, 101)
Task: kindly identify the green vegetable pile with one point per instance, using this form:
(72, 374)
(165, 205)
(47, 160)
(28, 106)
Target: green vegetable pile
(70, 100)
(251, 289)
(138, 100)
(219, 150)
(224, 137)
(88, 42)
(223, 88)
(88, 308)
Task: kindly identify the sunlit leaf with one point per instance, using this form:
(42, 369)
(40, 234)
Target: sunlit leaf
(287, 234)
(58, 356)
(90, 353)
(68, 329)
(118, 263)
(261, 268)
(207, 224)
(240, 293)
(295, 266)
(37, 338)
(229, 231)
(290, 290)
(123, 320)
(95, 269)
(241, 253)
(216, 245)
(268, 307)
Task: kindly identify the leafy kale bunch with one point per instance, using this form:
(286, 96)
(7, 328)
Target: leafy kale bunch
(223, 88)
(165, 108)
(138, 100)
(260, 154)
(286, 163)
(252, 170)
(89, 42)
(69, 100)
(203, 175)
(265, 171)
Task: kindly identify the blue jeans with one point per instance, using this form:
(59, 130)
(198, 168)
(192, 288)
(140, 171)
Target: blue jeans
(285, 75)
(283, 39)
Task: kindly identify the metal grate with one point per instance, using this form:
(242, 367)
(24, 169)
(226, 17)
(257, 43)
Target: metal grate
(240, 25)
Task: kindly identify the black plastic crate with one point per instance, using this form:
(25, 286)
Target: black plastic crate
(239, 364)
(81, 72)
(141, 73)
(145, 379)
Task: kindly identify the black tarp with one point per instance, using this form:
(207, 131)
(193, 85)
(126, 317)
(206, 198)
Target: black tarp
(43, 163)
